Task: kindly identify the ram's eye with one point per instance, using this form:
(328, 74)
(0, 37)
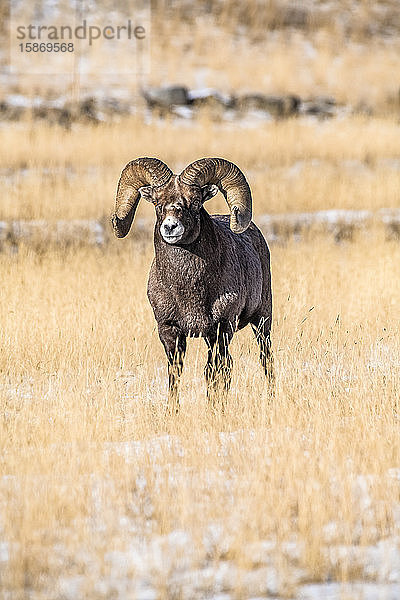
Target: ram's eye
(196, 205)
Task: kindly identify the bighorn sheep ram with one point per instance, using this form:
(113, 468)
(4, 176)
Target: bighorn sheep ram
(211, 273)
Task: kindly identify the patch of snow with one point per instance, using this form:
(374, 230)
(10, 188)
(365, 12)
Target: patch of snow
(70, 588)
(338, 591)
(18, 101)
(4, 551)
(383, 358)
(183, 111)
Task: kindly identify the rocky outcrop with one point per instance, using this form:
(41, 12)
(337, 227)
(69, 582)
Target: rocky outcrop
(166, 97)
(174, 98)
(178, 100)
(276, 106)
(321, 106)
(62, 111)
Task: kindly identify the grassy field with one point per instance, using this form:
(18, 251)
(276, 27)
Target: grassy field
(293, 165)
(105, 496)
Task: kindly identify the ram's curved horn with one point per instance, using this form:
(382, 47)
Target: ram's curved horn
(231, 182)
(137, 173)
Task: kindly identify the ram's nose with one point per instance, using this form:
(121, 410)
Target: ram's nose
(172, 230)
(170, 227)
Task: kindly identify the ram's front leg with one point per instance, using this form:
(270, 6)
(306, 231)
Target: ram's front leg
(218, 369)
(174, 342)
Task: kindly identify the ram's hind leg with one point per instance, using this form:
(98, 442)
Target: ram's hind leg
(174, 342)
(262, 331)
(218, 369)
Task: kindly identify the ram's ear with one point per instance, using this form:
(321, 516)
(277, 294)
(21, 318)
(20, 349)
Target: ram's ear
(146, 192)
(209, 191)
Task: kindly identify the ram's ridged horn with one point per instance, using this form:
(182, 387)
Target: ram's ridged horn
(137, 173)
(230, 181)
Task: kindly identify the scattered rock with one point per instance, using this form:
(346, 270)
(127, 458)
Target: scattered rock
(276, 106)
(210, 98)
(62, 112)
(391, 220)
(88, 110)
(322, 107)
(166, 97)
(9, 112)
(53, 115)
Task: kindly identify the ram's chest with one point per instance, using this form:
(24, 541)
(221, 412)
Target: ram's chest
(198, 313)
(187, 290)
(193, 310)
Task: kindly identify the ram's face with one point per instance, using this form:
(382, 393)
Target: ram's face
(178, 213)
(178, 210)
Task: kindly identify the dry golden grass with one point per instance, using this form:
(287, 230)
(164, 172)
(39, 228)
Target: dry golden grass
(293, 165)
(101, 492)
